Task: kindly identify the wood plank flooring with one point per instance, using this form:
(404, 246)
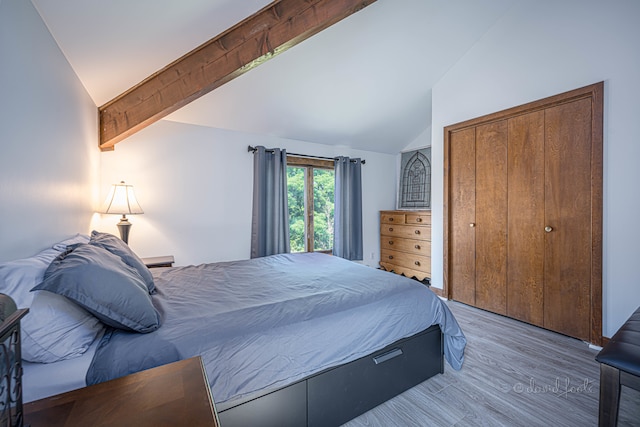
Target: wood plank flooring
(514, 374)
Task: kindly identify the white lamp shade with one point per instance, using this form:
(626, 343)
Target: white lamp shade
(121, 200)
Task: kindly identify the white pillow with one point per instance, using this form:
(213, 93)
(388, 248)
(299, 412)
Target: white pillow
(53, 323)
(56, 329)
(19, 276)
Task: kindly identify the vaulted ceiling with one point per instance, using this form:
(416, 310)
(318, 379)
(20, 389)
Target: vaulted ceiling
(364, 82)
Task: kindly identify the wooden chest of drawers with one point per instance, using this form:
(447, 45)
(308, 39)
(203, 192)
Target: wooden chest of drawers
(405, 243)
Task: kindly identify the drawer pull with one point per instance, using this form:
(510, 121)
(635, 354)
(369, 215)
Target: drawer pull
(387, 356)
(391, 219)
(417, 247)
(419, 219)
(390, 256)
(391, 242)
(417, 231)
(390, 229)
(417, 263)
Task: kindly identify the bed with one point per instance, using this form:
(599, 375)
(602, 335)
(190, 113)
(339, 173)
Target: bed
(291, 339)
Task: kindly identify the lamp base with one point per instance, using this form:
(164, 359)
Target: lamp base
(124, 226)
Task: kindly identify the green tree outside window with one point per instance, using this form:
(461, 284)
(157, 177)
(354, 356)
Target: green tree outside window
(321, 222)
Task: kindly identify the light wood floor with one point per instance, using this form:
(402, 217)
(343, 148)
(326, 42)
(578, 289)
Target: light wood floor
(514, 374)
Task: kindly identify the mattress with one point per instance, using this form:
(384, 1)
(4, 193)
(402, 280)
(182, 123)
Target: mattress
(265, 323)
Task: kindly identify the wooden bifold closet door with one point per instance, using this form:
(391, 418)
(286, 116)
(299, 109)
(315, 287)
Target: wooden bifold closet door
(523, 213)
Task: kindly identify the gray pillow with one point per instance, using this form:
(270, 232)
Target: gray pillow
(104, 285)
(116, 246)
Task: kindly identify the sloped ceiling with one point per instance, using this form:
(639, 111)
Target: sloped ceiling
(364, 82)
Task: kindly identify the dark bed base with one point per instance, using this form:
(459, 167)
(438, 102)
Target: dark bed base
(337, 395)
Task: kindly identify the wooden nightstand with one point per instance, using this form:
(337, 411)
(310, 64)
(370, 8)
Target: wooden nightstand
(176, 394)
(159, 261)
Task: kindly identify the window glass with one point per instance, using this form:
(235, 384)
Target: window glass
(296, 197)
(310, 190)
(323, 183)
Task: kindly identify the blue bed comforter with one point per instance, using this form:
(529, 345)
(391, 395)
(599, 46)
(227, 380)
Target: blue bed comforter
(264, 323)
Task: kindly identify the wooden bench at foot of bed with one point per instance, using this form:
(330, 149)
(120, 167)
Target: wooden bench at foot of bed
(619, 365)
(337, 395)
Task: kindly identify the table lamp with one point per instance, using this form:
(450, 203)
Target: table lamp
(122, 201)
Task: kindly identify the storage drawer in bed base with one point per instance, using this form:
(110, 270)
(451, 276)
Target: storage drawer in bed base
(339, 394)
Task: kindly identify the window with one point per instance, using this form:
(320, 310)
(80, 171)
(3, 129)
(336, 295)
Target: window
(310, 186)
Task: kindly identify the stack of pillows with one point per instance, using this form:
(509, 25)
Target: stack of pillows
(76, 288)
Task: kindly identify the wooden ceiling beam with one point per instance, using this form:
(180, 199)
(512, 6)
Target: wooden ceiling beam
(267, 33)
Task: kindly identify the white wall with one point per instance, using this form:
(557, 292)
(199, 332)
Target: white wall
(48, 127)
(540, 49)
(421, 141)
(195, 185)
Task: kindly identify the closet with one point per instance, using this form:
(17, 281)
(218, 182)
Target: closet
(523, 213)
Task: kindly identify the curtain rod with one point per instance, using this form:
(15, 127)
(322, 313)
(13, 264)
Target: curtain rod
(254, 149)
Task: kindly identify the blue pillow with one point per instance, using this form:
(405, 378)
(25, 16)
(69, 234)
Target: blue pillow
(116, 246)
(104, 285)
